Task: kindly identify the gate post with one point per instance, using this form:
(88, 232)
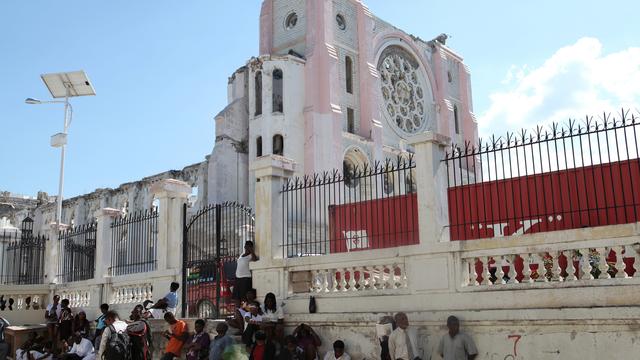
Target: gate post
(431, 178)
(104, 218)
(52, 253)
(172, 195)
(271, 171)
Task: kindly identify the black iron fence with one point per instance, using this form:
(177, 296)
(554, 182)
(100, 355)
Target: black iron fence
(134, 243)
(213, 240)
(22, 256)
(585, 173)
(357, 209)
(77, 249)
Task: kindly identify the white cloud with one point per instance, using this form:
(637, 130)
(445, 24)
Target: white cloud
(577, 80)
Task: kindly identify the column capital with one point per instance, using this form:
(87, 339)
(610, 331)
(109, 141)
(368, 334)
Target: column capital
(429, 137)
(108, 212)
(171, 188)
(273, 166)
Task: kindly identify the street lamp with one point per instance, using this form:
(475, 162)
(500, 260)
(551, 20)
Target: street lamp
(63, 85)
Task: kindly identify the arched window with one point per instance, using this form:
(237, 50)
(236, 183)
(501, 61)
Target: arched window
(278, 145)
(258, 95)
(277, 97)
(456, 121)
(259, 146)
(348, 65)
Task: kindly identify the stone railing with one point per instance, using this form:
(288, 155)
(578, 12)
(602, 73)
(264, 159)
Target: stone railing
(11, 302)
(132, 293)
(563, 263)
(77, 297)
(369, 278)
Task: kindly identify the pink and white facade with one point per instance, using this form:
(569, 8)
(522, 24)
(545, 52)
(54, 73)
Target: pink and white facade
(352, 90)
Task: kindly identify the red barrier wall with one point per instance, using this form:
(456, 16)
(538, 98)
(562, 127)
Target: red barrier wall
(597, 195)
(374, 224)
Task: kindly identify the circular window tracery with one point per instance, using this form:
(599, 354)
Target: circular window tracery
(402, 89)
(291, 21)
(342, 24)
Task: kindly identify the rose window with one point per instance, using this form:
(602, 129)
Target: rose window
(402, 89)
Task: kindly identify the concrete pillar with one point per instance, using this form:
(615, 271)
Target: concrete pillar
(104, 218)
(431, 178)
(268, 276)
(172, 195)
(52, 253)
(271, 171)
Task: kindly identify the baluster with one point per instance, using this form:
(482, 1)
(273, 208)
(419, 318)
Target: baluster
(636, 260)
(316, 283)
(512, 270)
(334, 279)
(469, 277)
(343, 280)
(526, 268)
(499, 270)
(556, 271)
(149, 292)
(373, 282)
(602, 264)
(324, 278)
(404, 283)
(586, 264)
(395, 279)
(571, 269)
(19, 302)
(486, 274)
(364, 282)
(620, 265)
(352, 279)
(389, 279)
(114, 295)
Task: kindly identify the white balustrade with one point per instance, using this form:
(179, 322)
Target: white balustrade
(131, 294)
(359, 279)
(550, 266)
(15, 302)
(77, 297)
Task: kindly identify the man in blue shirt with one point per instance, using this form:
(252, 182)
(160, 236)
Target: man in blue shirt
(168, 303)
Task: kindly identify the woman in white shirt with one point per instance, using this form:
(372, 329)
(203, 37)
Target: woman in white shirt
(243, 273)
(272, 319)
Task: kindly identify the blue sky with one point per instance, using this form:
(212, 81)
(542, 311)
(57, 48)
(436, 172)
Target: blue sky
(160, 69)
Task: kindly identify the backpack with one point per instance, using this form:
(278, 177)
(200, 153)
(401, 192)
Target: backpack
(117, 346)
(140, 340)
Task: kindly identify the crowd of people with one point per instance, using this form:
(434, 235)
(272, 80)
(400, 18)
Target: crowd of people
(256, 331)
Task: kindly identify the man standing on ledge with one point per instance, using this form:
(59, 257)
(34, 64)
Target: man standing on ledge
(456, 345)
(243, 273)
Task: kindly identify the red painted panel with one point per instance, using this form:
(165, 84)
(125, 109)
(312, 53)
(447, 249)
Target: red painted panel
(597, 195)
(374, 224)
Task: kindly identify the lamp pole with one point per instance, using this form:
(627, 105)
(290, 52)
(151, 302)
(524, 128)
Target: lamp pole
(68, 113)
(64, 85)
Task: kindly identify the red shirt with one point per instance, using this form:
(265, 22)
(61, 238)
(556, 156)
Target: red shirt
(258, 352)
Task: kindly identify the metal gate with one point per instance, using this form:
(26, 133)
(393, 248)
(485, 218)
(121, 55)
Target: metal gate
(213, 239)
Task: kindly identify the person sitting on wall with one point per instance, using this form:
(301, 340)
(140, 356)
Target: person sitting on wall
(262, 349)
(82, 349)
(168, 303)
(237, 321)
(252, 322)
(243, 273)
(272, 319)
(291, 350)
(308, 340)
(456, 345)
(338, 352)
(33, 342)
